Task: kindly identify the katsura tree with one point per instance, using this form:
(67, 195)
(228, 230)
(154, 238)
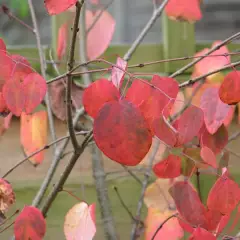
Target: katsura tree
(179, 130)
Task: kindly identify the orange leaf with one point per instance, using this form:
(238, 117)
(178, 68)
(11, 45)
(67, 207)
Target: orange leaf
(34, 134)
(7, 196)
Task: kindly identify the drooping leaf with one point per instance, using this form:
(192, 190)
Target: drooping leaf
(7, 196)
(97, 94)
(14, 97)
(117, 74)
(57, 92)
(178, 104)
(122, 133)
(79, 223)
(34, 134)
(153, 101)
(3, 106)
(230, 88)
(157, 195)
(188, 124)
(212, 63)
(224, 195)
(5, 123)
(100, 35)
(170, 230)
(35, 88)
(169, 167)
(217, 141)
(62, 41)
(188, 204)
(201, 233)
(208, 156)
(58, 6)
(187, 10)
(29, 224)
(215, 111)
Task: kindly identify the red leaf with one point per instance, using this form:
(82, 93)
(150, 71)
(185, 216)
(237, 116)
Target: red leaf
(57, 6)
(62, 41)
(153, 101)
(208, 156)
(34, 134)
(99, 36)
(121, 132)
(79, 223)
(35, 88)
(186, 10)
(3, 47)
(7, 196)
(188, 204)
(188, 124)
(200, 234)
(14, 96)
(224, 195)
(29, 224)
(118, 74)
(230, 88)
(6, 68)
(97, 94)
(169, 167)
(3, 106)
(185, 226)
(215, 142)
(215, 111)
(164, 132)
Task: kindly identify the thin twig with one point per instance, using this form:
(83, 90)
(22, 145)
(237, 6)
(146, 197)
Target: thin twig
(43, 72)
(69, 77)
(218, 46)
(132, 174)
(144, 187)
(162, 224)
(156, 14)
(58, 186)
(199, 185)
(233, 136)
(40, 150)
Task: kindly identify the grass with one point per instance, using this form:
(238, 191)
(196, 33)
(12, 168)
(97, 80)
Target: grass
(128, 188)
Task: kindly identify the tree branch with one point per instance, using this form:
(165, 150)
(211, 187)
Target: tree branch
(43, 72)
(69, 77)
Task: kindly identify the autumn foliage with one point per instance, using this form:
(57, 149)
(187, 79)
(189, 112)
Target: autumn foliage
(190, 122)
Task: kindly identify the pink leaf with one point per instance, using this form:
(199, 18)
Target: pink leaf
(79, 223)
(215, 111)
(100, 36)
(57, 6)
(208, 156)
(62, 41)
(118, 74)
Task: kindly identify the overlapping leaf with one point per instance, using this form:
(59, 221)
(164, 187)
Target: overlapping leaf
(208, 156)
(97, 94)
(58, 6)
(201, 233)
(100, 35)
(117, 74)
(3, 47)
(29, 224)
(215, 111)
(122, 133)
(169, 167)
(217, 141)
(187, 10)
(188, 204)
(224, 195)
(153, 101)
(57, 92)
(80, 222)
(34, 134)
(230, 88)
